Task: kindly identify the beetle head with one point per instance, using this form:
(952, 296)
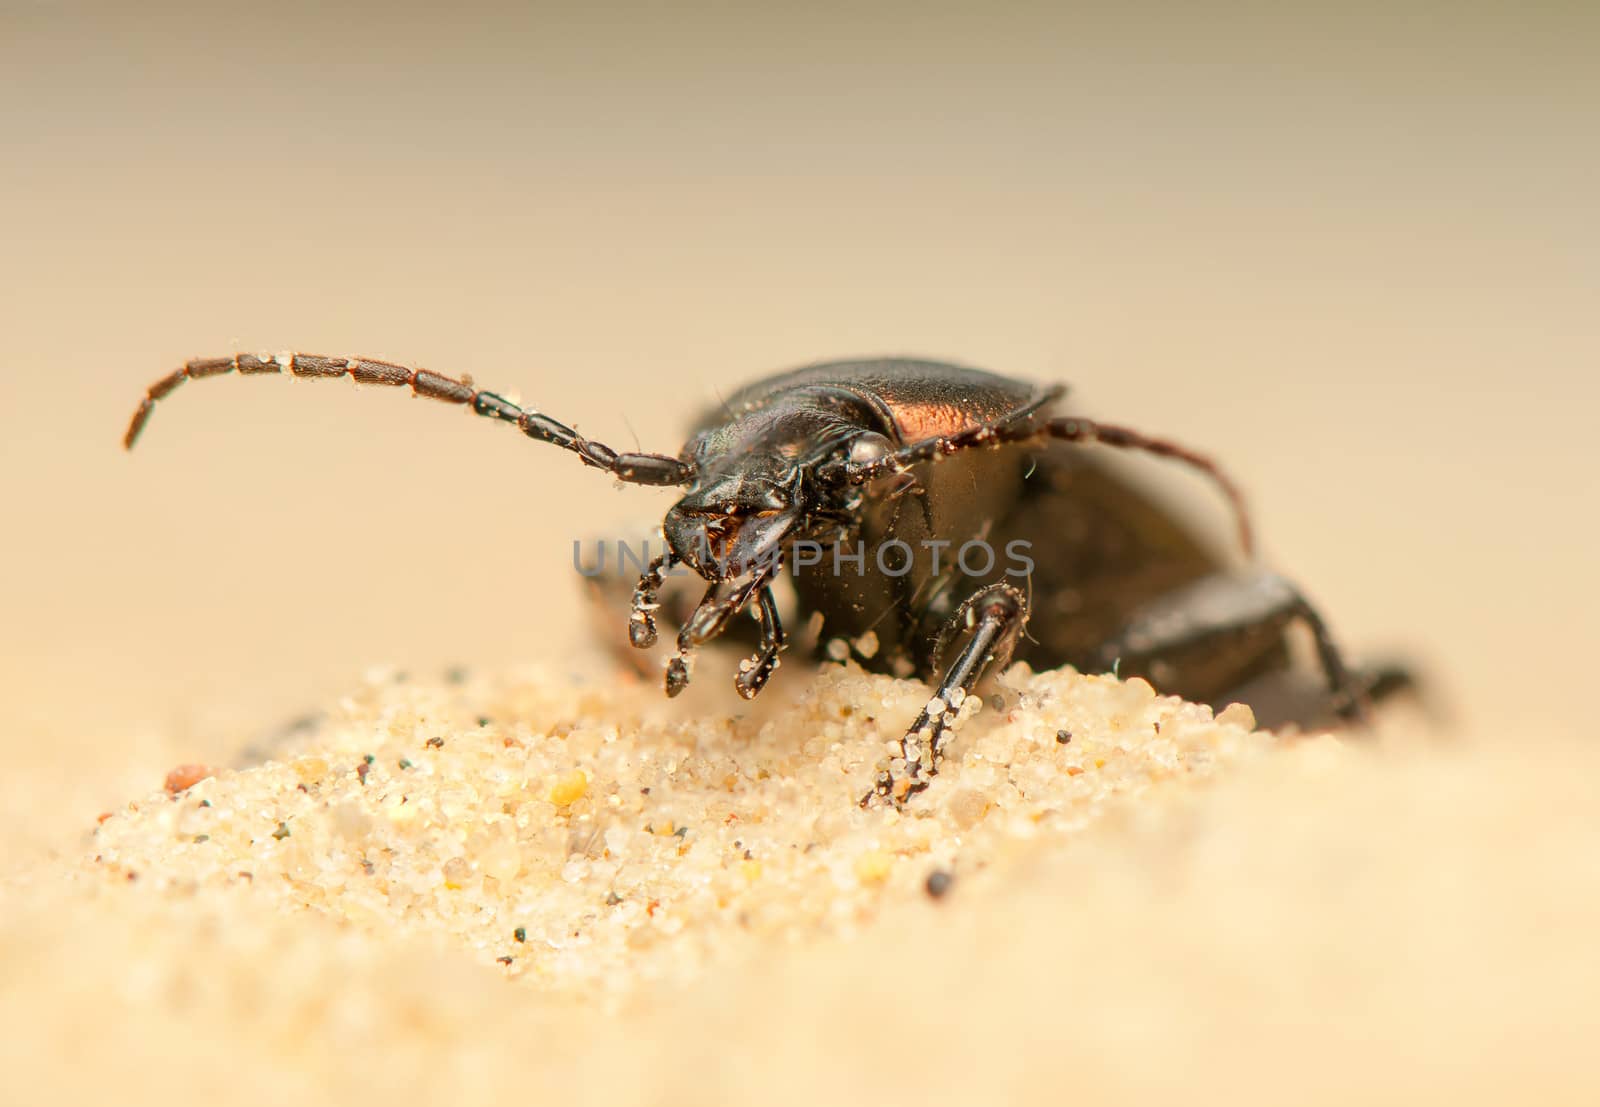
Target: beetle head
(731, 525)
(755, 487)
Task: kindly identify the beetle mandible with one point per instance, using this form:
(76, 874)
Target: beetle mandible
(854, 455)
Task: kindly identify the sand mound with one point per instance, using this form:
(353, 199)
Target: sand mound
(526, 885)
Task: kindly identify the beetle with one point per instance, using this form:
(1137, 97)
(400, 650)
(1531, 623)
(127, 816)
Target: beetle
(834, 463)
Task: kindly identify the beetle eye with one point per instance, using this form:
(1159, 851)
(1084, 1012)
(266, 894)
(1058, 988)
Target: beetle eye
(869, 447)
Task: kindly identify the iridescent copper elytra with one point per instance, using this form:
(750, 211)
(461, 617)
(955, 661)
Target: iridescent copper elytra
(830, 455)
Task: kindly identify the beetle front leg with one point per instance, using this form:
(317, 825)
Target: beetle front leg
(754, 671)
(993, 618)
(722, 600)
(646, 599)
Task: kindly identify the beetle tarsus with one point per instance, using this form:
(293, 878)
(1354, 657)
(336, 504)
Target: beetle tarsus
(754, 672)
(997, 615)
(677, 675)
(646, 598)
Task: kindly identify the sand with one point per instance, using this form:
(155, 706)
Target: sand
(527, 884)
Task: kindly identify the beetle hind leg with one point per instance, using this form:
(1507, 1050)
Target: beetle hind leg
(1206, 638)
(992, 619)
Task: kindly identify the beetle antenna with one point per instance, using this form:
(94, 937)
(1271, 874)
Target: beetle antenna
(1072, 429)
(632, 468)
(1019, 428)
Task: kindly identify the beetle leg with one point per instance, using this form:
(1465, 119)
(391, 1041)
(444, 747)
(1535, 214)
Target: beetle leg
(646, 598)
(908, 484)
(754, 671)
(722, 600)
(1389, 679)
(677, 678)
(632, 468)
(1204, 618)
(993, 617)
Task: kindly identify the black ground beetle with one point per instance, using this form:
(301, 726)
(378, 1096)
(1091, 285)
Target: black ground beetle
(935, 462)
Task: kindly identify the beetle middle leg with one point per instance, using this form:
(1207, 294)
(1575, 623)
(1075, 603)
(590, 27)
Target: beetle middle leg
(992, 618)
(754, 671)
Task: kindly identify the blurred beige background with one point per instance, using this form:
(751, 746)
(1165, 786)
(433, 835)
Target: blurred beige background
(1356, 254)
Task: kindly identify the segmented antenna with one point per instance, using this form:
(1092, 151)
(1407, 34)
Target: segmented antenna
(1020, 428)
(633, 468)
(1125, 438)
